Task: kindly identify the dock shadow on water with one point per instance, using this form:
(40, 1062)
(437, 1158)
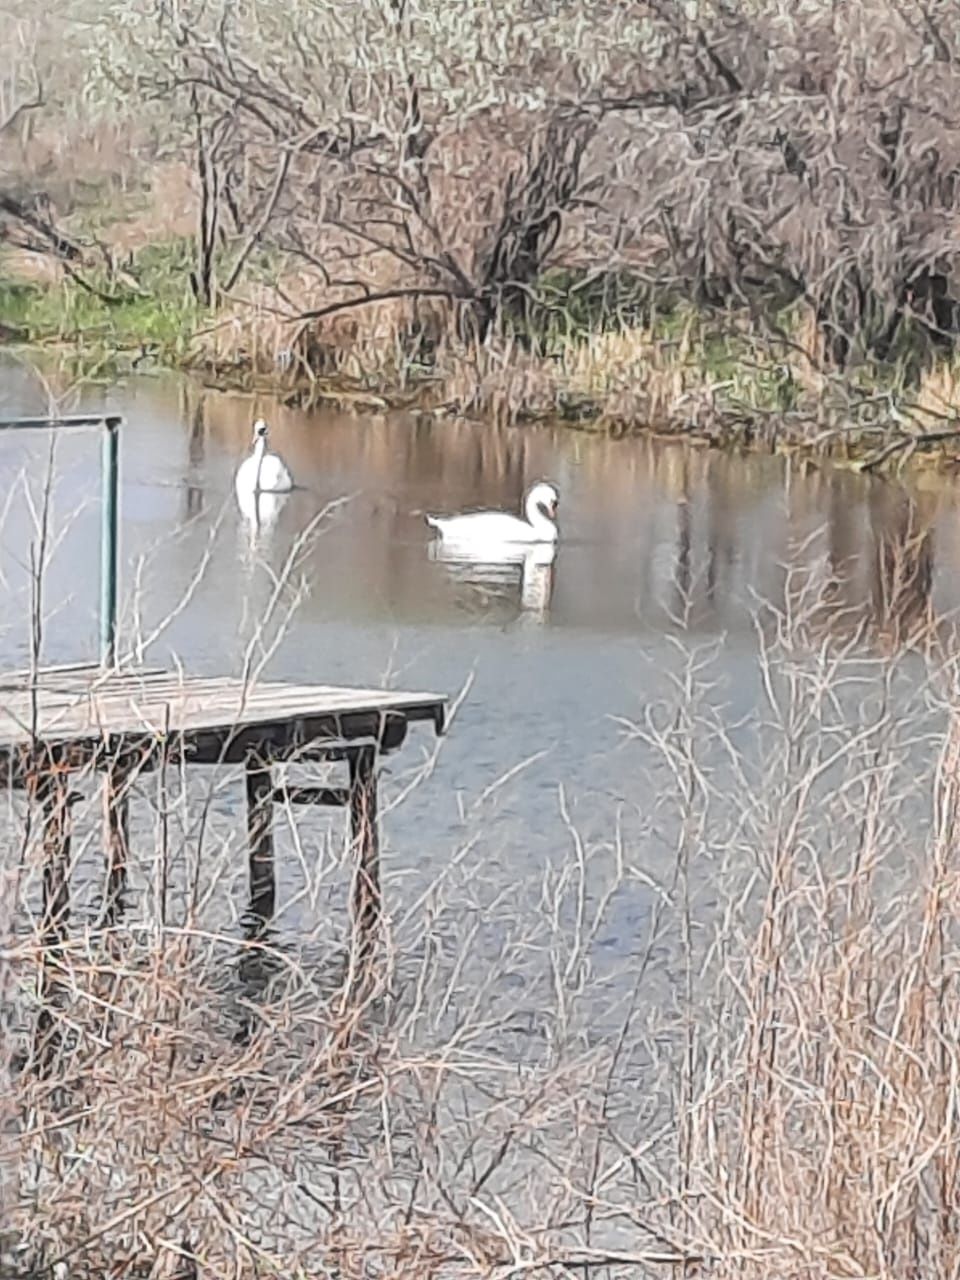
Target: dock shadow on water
(694, 818)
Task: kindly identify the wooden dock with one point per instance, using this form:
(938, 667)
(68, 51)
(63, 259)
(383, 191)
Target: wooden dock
(63, 720)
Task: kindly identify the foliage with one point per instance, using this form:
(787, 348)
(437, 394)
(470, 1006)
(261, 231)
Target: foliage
(402, 185)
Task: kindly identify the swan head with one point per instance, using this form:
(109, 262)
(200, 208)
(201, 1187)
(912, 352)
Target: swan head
(259, 430)
(544, 500)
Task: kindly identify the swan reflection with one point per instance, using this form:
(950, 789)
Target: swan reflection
(260, 512)
(498, 571)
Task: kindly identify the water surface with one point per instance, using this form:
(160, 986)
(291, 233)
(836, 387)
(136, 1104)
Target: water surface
(661, 543)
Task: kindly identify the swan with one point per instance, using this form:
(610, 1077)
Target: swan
(264, 471)
(497, 527)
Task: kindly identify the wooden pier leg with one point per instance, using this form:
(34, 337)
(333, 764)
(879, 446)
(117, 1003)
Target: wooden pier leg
(365, 840)
(263, 888)
(116, 837)
(54, 795)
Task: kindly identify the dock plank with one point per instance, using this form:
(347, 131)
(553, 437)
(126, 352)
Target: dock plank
(83, 705)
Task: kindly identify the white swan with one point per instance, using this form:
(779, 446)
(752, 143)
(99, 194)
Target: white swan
(264, 471)
(497, 528)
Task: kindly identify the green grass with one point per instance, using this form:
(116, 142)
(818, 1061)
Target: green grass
(161, 316)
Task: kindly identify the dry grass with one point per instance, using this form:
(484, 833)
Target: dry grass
(759, 1076)
(258, 334)
(939, 390)
(808, 359)
(693, 374)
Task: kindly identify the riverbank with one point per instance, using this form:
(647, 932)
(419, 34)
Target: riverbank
(647, 364)
(701, 249)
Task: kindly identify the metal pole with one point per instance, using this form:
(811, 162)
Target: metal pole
(108, 542)
(109, 468)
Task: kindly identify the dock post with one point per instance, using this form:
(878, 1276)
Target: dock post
(365, 841)
(263, 888)
(55, 796)
(52, 790)
(116, 838)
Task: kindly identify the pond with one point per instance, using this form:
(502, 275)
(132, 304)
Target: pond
(664, 547)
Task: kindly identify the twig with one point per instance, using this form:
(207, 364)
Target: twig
(904, 442)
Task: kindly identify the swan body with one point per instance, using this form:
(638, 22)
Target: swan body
(498, 528)
(263, 471)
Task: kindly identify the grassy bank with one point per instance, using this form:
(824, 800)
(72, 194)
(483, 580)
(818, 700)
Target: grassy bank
(727, 376)
(722, 223)
(734, 224)
(102, 318)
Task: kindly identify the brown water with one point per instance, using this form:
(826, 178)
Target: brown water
(659, 543)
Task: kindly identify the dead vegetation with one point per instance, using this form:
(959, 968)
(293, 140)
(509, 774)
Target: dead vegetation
(762, 1080)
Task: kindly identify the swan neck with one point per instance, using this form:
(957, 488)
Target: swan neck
(536, 518)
